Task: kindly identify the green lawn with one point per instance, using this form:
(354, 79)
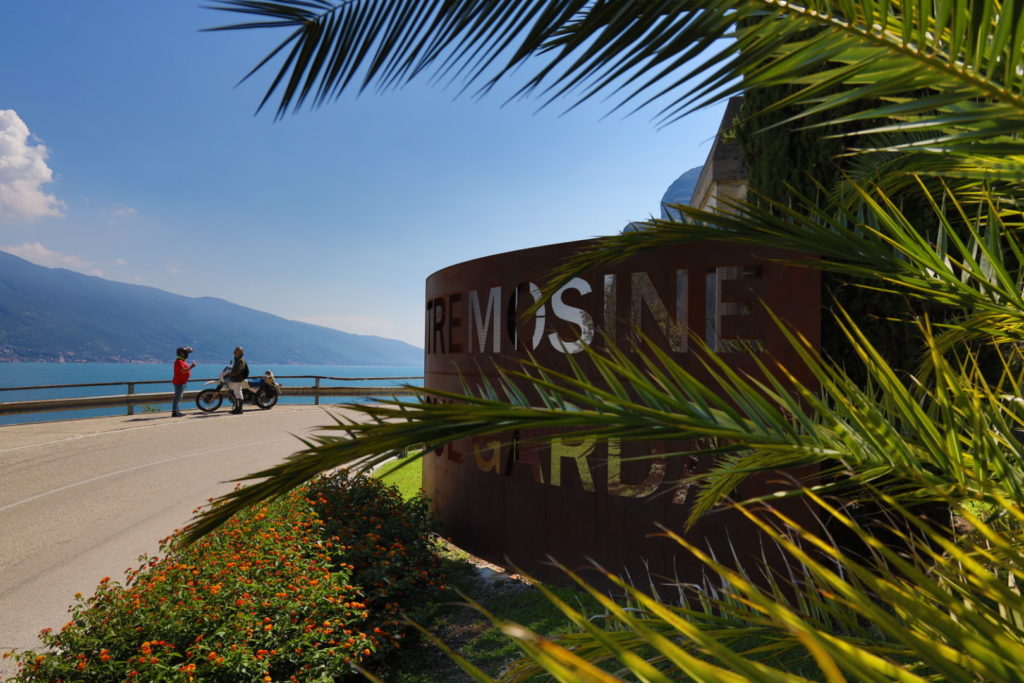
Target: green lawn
(405, 473)
(461, 627)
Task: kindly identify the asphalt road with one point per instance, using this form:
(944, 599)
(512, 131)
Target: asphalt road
(83, 499)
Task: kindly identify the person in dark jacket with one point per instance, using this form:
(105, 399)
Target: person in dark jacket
(237, 375)
(182, 370)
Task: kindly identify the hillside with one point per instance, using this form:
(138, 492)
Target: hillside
(50, 314)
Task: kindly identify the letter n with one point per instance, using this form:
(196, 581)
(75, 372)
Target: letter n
(645, 295)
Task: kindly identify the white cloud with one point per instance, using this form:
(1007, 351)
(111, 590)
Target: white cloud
(23, 172)
(121, 262)
(40, 255)
(123, 210)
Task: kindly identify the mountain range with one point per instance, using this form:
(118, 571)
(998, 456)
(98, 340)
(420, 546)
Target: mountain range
(54, 314)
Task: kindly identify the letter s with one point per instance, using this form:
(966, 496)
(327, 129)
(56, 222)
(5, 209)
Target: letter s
(571, 314)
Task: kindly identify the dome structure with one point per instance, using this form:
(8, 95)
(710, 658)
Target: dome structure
(680, 192)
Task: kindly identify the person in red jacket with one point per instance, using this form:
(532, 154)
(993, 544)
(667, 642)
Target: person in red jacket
(182, 370)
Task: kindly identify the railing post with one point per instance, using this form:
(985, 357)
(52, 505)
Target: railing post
(131, 390)
(316, 398)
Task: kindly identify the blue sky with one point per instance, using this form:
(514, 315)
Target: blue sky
(128, 152)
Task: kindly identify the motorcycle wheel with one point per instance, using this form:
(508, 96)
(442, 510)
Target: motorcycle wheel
(208, 400)
(266, 398)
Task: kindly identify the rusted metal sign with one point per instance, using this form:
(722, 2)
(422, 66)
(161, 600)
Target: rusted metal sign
(527, 497)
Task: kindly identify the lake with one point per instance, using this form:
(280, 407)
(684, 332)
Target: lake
(45, 374)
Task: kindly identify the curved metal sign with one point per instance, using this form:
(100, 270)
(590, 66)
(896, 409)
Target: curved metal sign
(525, 498)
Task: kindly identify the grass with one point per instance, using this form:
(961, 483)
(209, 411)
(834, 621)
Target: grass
(405, 473)
(456, 623)
(468, 632)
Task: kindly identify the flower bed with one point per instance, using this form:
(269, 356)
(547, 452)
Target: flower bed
(386, 539)
(278, 593)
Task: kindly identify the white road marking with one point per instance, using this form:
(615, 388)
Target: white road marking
(113, 431)
(137, 467)
(84, 436)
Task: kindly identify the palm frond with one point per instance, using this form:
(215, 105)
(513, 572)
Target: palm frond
(942, 608)
(931, 96)
(911, 434)
(338, 44)
(963, 62)
(964, 261)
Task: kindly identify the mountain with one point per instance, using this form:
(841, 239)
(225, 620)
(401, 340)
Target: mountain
(680, 191)
(53, 314)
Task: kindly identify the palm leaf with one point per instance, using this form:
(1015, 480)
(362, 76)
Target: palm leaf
(932, 92)
(689, 53)
(899, 432)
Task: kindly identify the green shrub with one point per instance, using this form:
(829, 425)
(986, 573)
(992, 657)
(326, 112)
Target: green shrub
(257, 600)
(275, 594)
(387, 539)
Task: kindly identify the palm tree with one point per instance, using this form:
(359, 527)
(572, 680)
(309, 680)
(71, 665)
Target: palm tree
(932, 95)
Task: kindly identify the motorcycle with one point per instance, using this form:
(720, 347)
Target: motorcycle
(262, 391)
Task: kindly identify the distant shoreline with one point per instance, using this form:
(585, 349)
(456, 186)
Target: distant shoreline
(20, 381)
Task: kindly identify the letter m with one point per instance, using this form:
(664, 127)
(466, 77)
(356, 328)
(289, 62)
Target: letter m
(491, 317)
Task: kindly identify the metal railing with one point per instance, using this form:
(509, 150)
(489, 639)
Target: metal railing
(130, 399)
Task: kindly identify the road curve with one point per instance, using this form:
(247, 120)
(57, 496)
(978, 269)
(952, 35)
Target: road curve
(82, 499)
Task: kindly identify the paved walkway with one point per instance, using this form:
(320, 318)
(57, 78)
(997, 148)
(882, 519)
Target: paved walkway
(82, 499)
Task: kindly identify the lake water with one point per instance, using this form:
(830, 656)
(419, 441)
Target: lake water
(48, 374)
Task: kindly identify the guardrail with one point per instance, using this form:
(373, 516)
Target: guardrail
(130, 399)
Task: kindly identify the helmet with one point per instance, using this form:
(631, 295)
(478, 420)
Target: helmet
(183, 351)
